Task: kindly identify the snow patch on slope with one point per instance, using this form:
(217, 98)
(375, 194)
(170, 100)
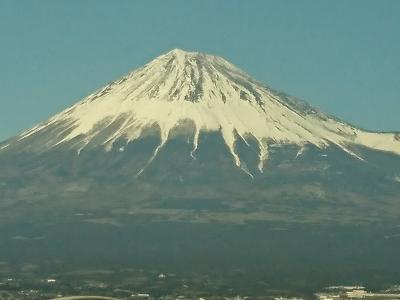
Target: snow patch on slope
(4, 146)
(379, 141)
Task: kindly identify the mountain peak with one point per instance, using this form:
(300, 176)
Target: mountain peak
(184, 57)
(182, 53)
(211, 93)
(191, 76)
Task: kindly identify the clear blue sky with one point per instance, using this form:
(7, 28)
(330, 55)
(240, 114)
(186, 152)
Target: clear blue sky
(341, 56)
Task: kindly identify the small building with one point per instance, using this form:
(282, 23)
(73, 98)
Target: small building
(51, 280)
(357, 294)
(327, 296)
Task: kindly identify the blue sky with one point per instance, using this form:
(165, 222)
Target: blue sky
(341, 56)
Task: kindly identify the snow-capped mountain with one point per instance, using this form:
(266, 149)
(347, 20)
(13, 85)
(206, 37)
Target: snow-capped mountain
(205, 93)
(190, 136)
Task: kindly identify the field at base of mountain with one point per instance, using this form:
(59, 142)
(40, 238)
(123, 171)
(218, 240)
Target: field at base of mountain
(249, 258)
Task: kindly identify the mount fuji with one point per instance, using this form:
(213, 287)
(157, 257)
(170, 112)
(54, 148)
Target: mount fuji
(184, 122)
(189, 148)
(208, 94)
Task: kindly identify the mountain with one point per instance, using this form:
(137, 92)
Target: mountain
(186, 118)
(191, 141)
(208, 94)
